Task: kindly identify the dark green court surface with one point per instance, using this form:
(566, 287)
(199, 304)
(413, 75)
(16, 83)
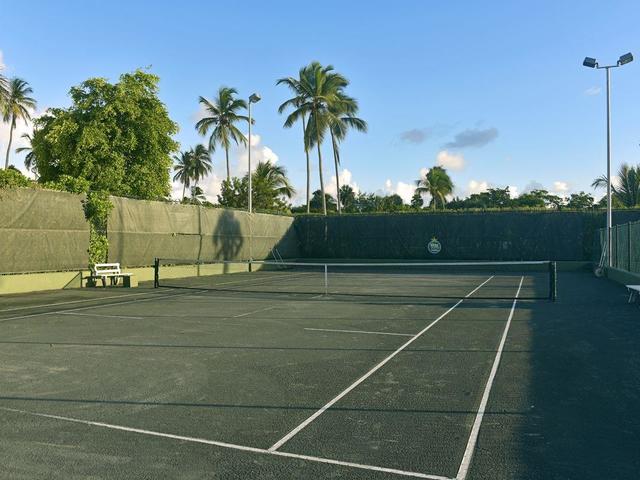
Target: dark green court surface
(199, 382)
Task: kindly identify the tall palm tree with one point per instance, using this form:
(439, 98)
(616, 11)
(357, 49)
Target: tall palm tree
(436, 183)
(627, 191)
(183, 168)
(197, 195)
(296, 101)
(30, 158)
(200, 163)
(4, 89)
(222, 115)
(344, 118)
(16, 107)
(319, 88)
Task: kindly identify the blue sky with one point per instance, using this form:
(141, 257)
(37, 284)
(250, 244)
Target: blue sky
(494, 91)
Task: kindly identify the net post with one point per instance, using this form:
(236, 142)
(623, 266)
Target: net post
(553, 281)
(156, 272)
(326, 280)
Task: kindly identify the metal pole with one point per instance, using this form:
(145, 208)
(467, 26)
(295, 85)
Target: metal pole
(326, 280)
(609, 215)
(249, 155)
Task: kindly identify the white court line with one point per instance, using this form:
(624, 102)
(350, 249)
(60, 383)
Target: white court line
(104, 316)
(13, 309)
(230, 445)
(138, 300)
(247, 280)
(359, 331)
(296, 430)
(475, 430)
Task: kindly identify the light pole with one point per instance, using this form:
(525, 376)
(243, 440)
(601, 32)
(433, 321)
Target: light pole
(254, 98)
(592, 63)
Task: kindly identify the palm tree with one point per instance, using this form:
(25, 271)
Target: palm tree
(30, 158)
(270, 184)
(16, 106)
(200, 163)
(436, 183)
(343, 112)
(4, 89)
(197, 195)
(222, 115)
(628, 189)
(319, 88)
(294, 84)
(183, 168)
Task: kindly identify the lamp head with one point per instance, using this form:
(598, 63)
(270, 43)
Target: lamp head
(590, 62)
(626, 58)
(254, 98)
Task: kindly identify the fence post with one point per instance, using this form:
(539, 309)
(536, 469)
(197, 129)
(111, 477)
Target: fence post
(156, 272)
(628, 246)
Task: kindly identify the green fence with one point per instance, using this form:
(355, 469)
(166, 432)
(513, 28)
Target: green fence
(508, 235)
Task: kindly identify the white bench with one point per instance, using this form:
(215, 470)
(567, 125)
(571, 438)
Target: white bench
(634, 292)
(112, 271)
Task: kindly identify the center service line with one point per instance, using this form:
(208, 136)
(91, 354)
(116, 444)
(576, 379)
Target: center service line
(475, 430)
(296, 430)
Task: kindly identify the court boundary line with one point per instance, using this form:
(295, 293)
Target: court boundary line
(358, 331)
(465, 464)
(102, 316)
(231, 446)
(84, 300)
(351, 387)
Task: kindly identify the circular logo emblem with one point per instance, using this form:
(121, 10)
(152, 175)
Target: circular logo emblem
(434, 246)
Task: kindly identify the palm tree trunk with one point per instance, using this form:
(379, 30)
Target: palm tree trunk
(306, 152)
(13, 125)
(226, 152)
(335, 161)
(184, 190)
(324, 199)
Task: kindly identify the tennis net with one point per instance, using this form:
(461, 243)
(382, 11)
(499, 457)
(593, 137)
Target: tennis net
(499, 280)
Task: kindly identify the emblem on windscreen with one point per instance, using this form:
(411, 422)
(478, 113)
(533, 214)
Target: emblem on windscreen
(434, 246)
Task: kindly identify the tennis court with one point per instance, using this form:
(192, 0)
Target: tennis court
(283, 374)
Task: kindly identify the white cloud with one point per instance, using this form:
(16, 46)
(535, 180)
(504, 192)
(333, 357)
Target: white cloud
(404, 190)
(477, 186)
(593, 91)
(513, 191)
(346, 178)
(451, 161)
(560, 188)
(532, 185)
(2, 65)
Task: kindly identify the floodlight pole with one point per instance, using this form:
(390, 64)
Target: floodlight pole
(249, 157)
(592, 63)
(253, 98)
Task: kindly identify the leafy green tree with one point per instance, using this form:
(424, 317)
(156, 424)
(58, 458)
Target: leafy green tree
(627, 191)
(222, 115)
(234, 193)
(12, 177)
(16, 106)
(116, 136)
(30, 157)
(436, 183)
(319, 89)
(417, 202)
(392, 203)
(580, 201)
(343, 117)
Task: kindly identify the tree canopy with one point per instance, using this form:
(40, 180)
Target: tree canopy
(117, 136)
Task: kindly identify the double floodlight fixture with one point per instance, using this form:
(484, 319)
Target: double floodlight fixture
(623, 60)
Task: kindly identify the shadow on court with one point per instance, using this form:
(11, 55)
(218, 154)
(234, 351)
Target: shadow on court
(576, 380)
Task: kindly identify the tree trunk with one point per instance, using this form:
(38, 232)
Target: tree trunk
(335, 161)
(184, 190)
(11, 127)
(226, 151)
(324, 199)
(306, 152)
